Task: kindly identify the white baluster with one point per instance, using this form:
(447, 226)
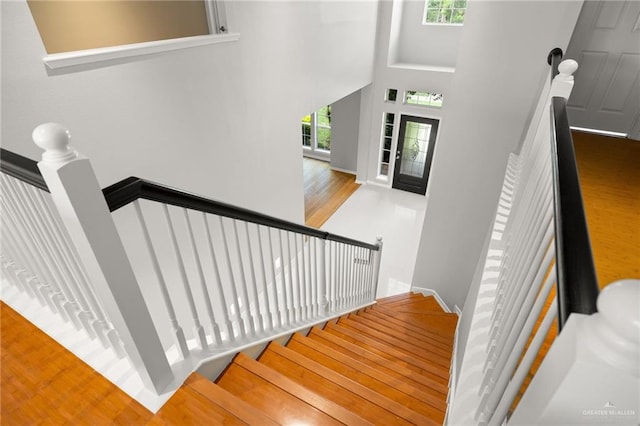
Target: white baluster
(504, 376)
(269, 312)
(216, 271)
(37, 251)
(323, 300)
(298, 262)
(525, 365)
(376, 269)
(243, 282)
(277, 315)
(234, 291)
(283, 273)
(203, 286)
(198, 329)
(254, 283)
(181, 342)
(79, 199)
(313, 281)
(304, 284)
(290, 297)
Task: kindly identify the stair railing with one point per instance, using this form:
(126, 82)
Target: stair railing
(38, 257)
(181, 278)
(539, 239)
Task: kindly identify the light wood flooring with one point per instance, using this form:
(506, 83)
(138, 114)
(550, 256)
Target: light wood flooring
(610, 178)
(324, 190)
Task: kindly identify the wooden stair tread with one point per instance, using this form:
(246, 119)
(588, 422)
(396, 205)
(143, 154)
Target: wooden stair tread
(434, 399)
(363, 378)
(424, 352)
(433, 371)
(386, 324)
(440, 326)
(399, 297)
(231, 403)
(338, 388)
(188, 406)
(279, 397)
(396, 369)
(426, 304)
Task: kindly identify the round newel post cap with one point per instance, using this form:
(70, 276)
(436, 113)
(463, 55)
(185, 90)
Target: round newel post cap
(54, 139)
(619, 306)
(568, 67)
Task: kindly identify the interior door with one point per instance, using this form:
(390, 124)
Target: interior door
(606, 44)
(416, 141)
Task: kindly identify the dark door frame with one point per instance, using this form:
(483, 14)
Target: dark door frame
(411, 183)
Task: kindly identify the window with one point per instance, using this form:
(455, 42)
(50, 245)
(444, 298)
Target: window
(392, 95)
(385, 148)
(316, 132)
(105, 32)
(323, 128)
(413, 97)
(449, 12)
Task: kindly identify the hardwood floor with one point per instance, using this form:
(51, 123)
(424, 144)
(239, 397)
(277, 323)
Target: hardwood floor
(610, 178)
(324, 191)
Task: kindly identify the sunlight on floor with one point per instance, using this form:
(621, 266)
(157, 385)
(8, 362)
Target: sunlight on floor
(397, 217)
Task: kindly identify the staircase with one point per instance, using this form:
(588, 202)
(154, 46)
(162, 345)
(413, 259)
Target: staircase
(386, 364)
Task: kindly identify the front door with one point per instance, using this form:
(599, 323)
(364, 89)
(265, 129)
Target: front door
(416, 141)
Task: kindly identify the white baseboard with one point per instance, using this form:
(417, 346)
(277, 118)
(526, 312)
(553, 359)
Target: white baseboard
(430, 292)
(338, 169)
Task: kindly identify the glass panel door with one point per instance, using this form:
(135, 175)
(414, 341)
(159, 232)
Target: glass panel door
(416, 140)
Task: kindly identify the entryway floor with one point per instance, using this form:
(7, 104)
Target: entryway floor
(396, 216)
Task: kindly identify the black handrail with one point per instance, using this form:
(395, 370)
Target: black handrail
(130, 189)
(554, 59)
(21, 168)
(577, 283)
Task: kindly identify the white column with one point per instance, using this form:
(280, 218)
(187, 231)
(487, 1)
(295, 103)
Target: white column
(77, 196)
(591, 374)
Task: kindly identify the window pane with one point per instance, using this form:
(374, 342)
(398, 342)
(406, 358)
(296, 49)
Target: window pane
(306, 134)
(388, 130)
(385, 156)
(324, 138)
(389, 119)
(384, 169)
(392, 94)
(445, 11)
(387, 143)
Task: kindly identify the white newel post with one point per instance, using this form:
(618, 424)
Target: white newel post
(77, 196)
(562, 83)
(591, 374)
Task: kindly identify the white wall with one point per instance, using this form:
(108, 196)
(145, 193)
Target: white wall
(415, 43)
(220, 120)
(345, 121)
(499, 73)
(401, 77)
